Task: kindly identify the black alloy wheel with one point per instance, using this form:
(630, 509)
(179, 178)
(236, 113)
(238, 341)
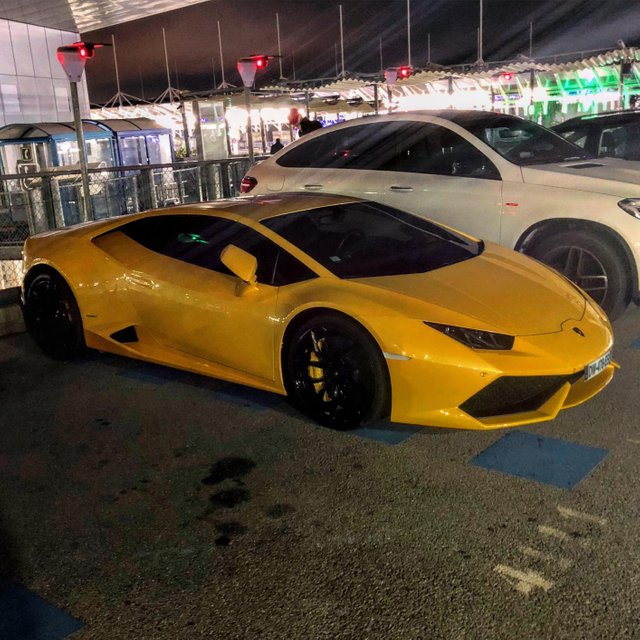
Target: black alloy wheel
(52, 316)
(335, 373)
(592, 263)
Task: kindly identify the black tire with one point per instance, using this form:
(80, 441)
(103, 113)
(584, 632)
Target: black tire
(52, 317)
(592, 263)
(335, 373)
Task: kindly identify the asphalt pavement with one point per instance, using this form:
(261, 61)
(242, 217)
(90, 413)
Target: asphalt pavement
(149, 503)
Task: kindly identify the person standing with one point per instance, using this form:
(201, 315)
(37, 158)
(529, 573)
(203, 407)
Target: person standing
(276, 146)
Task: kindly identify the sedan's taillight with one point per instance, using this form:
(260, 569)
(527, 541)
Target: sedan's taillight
(247, 184)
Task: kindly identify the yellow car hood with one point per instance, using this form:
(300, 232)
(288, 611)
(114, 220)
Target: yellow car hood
(499, 288)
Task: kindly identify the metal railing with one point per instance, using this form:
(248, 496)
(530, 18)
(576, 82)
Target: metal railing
(36, 202)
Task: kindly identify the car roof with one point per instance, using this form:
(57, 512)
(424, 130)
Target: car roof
(605, 115)
(261, 207)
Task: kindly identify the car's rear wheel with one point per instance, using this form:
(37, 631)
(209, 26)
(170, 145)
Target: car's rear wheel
(592, 263)
(52, 316)
(335, 372)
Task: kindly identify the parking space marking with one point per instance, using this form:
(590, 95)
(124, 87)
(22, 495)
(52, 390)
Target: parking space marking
(24, 614)
(547, 460)
(565, 563)
(552, 532)
(579, 515)
(633, 441)
(523, 581)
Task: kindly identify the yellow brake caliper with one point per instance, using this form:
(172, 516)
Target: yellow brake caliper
(315, 373)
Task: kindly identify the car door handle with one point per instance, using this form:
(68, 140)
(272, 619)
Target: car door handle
(141, 280)
(313, 187)
(401, 189)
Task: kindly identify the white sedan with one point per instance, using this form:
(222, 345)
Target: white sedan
(493, 176)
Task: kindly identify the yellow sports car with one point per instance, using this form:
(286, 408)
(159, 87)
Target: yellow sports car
(353, 310)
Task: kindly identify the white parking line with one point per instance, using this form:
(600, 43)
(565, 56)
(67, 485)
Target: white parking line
(552, 532)
(587, 517)
(563, 563)
(523, 581)
(633, 441)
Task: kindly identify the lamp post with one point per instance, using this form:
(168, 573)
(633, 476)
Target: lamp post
(73, 58)
(247, 68)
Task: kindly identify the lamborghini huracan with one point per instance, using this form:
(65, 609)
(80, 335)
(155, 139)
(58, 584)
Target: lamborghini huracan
(353, 310)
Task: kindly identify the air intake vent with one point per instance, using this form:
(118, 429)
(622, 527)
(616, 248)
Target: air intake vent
(128, 334)
(515, 394)
(584, 165)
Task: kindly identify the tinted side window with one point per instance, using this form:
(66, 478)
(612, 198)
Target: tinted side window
(578, 135)
(199, 240)
(429, 148)
(620, 141)
(276, 266)
(368, 146)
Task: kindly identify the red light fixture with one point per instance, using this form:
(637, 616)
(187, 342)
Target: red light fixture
(404, 72)
(506, 77)
(261, 62)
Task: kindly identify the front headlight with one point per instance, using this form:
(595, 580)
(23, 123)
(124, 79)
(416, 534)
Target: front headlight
(631, 206)
(475, 338)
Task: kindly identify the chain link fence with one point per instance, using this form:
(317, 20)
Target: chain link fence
(39, 202)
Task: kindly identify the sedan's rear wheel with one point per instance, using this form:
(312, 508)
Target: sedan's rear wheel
(52, 316)
(592, 263)
(335, 373)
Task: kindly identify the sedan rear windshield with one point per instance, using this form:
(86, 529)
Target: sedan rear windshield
(520, 141)
(362, 240)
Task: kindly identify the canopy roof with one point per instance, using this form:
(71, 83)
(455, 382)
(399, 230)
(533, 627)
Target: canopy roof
(45, 130)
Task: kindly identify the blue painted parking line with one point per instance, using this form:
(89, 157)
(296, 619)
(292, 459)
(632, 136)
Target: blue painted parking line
(387, 433)
(548, 460)
(26, 616)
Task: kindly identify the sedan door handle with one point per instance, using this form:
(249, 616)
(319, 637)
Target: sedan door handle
(313, 187)
(401, 189)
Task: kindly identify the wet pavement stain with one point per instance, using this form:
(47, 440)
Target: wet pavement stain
(228, 469)
(231, 528)
(229, 498)
(279, 510)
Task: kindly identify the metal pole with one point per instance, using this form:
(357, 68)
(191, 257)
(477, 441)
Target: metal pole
(224, 84)
(213, 69)
(279, 47)
(531, 39)
(341, 42)
(85, 211)
(375, 97)
(381, 58)
(247, 102)
(409, 32)
(335, 51)
(166, 61)
(429, 48)
(185, 128)
(115, 62)
(306, 103)
(480, 52)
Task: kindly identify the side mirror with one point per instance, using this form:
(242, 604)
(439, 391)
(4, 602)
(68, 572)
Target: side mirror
(240, 263)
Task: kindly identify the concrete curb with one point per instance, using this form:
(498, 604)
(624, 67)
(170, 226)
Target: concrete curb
(10, 314)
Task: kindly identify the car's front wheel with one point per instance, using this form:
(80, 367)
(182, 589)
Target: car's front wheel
(592, 263)
(335, 372)
(52, 316)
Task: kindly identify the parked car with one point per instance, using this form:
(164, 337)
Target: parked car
(496, 177)
(615, 134)
(352, 309)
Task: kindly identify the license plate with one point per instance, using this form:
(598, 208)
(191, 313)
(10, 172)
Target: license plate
(594, 368)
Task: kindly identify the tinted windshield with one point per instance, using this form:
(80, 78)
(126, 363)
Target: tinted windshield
(361, 240)
(520, 141)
